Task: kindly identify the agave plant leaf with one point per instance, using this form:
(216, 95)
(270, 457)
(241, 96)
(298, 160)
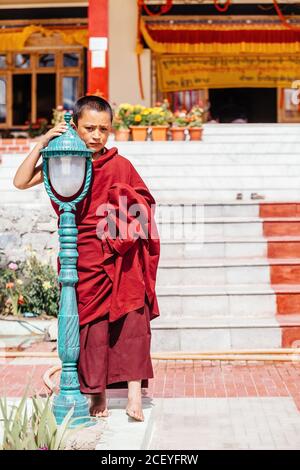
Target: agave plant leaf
(62, 429)
(3, 407)
(43, 434)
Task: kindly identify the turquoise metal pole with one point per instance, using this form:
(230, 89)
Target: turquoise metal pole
(68, 322)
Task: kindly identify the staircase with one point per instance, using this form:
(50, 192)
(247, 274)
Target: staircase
(229, 274)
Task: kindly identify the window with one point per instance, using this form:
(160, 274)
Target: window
(22, 61)
(3, 110)
(71, 59)
(33, 83)
(2, 61)
(70, 92)
(46, 60)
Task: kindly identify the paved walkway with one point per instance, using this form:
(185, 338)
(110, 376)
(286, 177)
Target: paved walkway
(192, 405)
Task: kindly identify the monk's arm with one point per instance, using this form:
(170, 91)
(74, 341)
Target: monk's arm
(29, 173)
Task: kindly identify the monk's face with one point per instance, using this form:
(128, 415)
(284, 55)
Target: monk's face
(94, 128)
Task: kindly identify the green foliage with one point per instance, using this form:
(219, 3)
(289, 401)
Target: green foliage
(195, 116)
(41, 289)
(29, 286)
(38, 431)
(58, 115)
(37, 128)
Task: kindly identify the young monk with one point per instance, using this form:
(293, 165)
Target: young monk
(117, 264)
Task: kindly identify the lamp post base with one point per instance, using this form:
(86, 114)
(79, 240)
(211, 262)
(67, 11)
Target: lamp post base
(62, 404)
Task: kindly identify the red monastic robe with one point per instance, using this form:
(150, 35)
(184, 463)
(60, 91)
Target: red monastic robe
(116, 272)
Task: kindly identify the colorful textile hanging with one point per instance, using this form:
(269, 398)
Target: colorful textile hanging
(182, 72)
(220, 38)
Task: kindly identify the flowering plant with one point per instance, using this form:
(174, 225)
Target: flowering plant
(122, 117)
(58, 115)
(30, 285)
(195, 116)
(37, 128)
(180, 118)
(11, 290)
(139, 115)
(160, 114)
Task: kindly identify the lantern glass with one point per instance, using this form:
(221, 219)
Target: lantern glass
(67, 174)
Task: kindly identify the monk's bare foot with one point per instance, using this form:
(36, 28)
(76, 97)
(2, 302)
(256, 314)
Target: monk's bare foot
(98, 406)
(134, 405)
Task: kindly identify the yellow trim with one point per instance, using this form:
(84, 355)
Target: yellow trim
(214, 27)
(10, 41)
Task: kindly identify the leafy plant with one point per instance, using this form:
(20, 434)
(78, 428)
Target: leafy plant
(11, 290)
(180, 119)
(41, 289)
(195, 116)
(58, 115)
(122, 117)
(37, 128)
(160, 115)
(38, 431)
(138, 115)
(29, 286)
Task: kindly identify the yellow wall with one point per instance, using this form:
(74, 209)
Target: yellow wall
(123, 81)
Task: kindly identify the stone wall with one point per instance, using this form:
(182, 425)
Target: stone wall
(28, 228)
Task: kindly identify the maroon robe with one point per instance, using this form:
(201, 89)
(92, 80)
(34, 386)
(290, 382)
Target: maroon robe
(116, 271)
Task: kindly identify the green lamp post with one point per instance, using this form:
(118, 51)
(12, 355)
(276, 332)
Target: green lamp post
(67, 167)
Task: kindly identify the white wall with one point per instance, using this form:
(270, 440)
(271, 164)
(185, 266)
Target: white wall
(123, 71)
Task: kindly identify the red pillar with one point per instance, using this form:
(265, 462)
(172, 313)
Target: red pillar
(98, 30)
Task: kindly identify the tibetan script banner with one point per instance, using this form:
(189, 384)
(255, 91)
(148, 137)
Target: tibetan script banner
(179, 72)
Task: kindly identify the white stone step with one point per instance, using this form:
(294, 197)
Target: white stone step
(218, 271)
(210, 334)
(205, 183)
(241, 300)
(185, 210)
(213, 272)
(184, 150)
(222, 248)
(198, 229)
(226, 159)
(237, 182)
(225, 195)
(198, 170)
(251, 128)
(206, 169)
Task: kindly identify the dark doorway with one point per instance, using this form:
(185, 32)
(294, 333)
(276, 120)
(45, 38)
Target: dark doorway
(243, 104)
(21, 98)
(45, 100)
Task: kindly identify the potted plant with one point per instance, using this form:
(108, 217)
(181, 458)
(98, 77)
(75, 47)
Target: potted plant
(179, 124)
(121, 122)
(58, 115)
(159, 119)
(195, 117)
(37, 128)
(138, 119)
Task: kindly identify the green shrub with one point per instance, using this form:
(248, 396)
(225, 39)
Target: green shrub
(29, 286)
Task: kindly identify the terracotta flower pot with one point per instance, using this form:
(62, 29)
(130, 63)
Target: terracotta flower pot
(195, 133)
(159, 132)
(122, 135)
(139, 132)
(178, 133)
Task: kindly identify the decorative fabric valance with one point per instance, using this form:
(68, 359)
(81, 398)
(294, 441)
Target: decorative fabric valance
(16, 39)
(204, 38)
